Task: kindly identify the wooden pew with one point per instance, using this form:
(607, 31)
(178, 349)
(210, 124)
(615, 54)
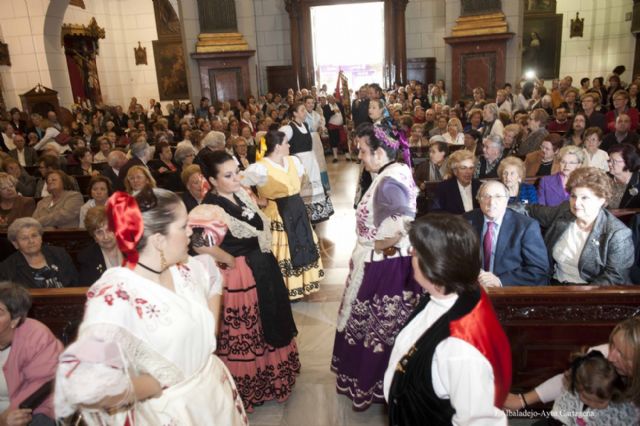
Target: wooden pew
(544, 324)
(61, 309)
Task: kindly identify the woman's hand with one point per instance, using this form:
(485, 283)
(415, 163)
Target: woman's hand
(17, 417)
(262, 202)
(228, 260)
(513, 402)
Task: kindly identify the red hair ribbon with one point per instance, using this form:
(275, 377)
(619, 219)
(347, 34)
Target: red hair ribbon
(125, 220)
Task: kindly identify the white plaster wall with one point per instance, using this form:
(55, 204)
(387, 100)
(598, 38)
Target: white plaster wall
(273, 37)
(125, 23)
(32, 30)
(607, 40)
(22, 28)
(425, 29)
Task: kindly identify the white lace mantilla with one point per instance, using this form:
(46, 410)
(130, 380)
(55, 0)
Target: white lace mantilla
(241, 229)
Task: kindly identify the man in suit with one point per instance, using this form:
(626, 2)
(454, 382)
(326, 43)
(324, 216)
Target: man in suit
(621, 135)
(141, 153)
(25, 155)
(115, 161)
(512, 249)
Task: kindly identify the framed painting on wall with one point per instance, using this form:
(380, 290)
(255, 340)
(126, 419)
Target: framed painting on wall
(540, 6)
(170, 70)
(541, 45)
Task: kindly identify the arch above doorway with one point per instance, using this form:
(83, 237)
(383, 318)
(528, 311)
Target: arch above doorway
(395, 66)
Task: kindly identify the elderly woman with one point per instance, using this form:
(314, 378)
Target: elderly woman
(458, 193)
(475, 120)
(25, 183)
(487, 165)
(13, 205)
(30, 355)
(594, 156)
(241, 152)
(551, 190)
(512, 135)
(99, 190)
(196, 185)
(620, 101)
(491, 121)
(101, 254)
(454, 134)
(35, 265)
(511, 173)
(586, 243)
(184, 156)
(543, 162)
(451, 362)
(61, 208)
(624, 167)
(137, 178)
(432, 170)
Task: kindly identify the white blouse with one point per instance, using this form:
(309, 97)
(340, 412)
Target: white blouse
(600, 160)
(567, 253)
(459, 371)
(256, 173)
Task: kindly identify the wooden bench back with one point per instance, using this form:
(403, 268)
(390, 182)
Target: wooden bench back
(544, 324)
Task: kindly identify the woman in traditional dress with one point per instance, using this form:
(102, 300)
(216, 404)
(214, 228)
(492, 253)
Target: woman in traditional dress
(256, 339)
(380, 291)
(317, 202)
(315, 123)
(278, 177)
(144, 353)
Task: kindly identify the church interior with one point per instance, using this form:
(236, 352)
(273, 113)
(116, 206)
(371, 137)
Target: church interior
(180, 71)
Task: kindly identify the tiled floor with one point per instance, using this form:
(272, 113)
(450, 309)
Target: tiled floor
(314, 401)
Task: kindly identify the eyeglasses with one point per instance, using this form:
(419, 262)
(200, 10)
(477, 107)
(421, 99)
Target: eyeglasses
(569, 163)
(615, 161)
(465, 168)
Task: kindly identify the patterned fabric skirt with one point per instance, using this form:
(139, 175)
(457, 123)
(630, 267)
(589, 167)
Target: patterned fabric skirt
(386, 298)
(300, 281)
(261, 372)
(318, 150)
(316, 200)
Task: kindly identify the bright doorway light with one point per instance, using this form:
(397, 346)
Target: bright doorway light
(348, 37)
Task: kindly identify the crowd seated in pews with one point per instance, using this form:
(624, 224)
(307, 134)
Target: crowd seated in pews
(531, 137)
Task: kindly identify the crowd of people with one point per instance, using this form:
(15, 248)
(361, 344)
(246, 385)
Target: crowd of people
(203, 219)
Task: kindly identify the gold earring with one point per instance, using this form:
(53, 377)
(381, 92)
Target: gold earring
(163, 261)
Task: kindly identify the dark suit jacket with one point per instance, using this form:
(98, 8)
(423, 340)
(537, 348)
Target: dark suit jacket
(629, 201)
(117, 184)
(551, 190)
(520, 255)
(608, 252)
(15, 267)
(30, 155)
(448, 197)
(91, 264)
